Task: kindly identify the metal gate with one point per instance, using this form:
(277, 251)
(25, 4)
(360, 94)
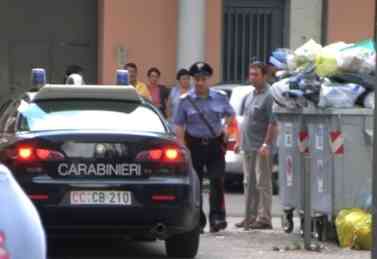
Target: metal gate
(252, 29)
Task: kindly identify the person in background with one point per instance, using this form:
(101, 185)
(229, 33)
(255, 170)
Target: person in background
(258, 133)
(183, 86)
(73, 70)
(140, 87)
(159, 93)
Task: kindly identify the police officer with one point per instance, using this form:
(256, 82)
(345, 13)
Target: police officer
(199, 126)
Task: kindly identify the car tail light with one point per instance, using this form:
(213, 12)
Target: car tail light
(30, 153)
(233, 131)
(3, 252)
(2, 239)
(162, 198)
(38, 197)
(168, 155)
(231, 144)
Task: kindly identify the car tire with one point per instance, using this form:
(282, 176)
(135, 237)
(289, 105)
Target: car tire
(184, 245)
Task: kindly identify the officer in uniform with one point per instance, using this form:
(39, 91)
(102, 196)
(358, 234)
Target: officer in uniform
(199, 125)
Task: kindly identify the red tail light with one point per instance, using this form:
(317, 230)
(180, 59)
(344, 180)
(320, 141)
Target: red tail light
(2, 239)
(25, 153)
(162, 155)
(31, 153)
(233, 130)
(230, 145)
(3, 252)
(162, 197)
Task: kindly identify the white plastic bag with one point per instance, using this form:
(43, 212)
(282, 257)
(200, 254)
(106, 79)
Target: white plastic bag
(305, 54)
(369, 101)
(278, 91)
(357, 60)
(339, 95)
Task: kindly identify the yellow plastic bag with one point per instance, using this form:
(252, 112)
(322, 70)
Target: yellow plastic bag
(345, 225)
(326, 64)
(363, 234)
(326, 59)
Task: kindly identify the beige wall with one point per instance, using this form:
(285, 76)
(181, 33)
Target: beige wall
(147, 31)
(350, 20)
(305, 22)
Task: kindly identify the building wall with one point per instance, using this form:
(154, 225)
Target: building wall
(140, 31)
(350, 20)
(305, 21)
(145, 32)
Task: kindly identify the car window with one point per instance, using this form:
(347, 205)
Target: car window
(89, 115)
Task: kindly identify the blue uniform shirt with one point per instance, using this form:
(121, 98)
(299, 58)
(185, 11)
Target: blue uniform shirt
(215, 108)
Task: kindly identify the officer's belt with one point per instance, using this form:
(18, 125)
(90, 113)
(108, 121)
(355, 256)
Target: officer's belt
(202, 141)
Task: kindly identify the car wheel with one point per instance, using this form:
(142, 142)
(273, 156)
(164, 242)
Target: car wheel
(183, 245)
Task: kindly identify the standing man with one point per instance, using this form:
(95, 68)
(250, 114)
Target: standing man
(140, 87)
(199, 126)
(257, 136)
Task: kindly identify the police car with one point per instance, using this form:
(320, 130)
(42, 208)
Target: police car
(99, 160)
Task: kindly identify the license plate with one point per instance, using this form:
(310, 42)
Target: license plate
(100, 198)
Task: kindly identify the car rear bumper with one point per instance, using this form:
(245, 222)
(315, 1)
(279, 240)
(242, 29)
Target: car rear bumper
(133, 222)
(60, 218)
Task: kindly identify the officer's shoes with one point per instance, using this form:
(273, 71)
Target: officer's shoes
(218, 225)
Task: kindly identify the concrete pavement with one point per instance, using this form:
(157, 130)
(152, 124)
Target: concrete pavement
(229, 244)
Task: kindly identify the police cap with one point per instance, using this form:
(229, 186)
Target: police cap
(201, 69)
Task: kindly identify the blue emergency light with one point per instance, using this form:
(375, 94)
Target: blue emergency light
(38, 76)
(122, 77)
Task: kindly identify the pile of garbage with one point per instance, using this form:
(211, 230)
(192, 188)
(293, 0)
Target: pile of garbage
(339, 75)
(354, 229)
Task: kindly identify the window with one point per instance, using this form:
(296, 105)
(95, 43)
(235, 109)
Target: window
(89, 115)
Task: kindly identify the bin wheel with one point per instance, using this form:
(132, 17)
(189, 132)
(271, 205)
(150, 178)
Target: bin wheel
(287, 222)
(321, 225)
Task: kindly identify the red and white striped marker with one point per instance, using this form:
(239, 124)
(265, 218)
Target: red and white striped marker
(303, 142)
(337, 142)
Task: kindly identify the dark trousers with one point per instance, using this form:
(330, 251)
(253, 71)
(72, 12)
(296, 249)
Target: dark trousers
(211, 156)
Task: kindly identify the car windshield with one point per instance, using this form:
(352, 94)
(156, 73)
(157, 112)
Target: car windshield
(88, 115)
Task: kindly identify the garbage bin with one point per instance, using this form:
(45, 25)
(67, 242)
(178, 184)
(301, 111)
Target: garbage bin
(341, 159)
(291, 147)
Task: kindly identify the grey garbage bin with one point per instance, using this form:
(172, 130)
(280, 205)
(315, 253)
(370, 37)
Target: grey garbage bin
(340, 159)
(292, 135)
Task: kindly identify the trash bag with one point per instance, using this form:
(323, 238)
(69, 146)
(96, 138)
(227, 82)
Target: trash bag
(359, 58)
(369, 101)
(362, 239)
(279, 92)
(346, 222)
(326, 63)
(277, 63)
(334, 95)
(308, 83)
(367, 81)
(304, 55)
(281, 55)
